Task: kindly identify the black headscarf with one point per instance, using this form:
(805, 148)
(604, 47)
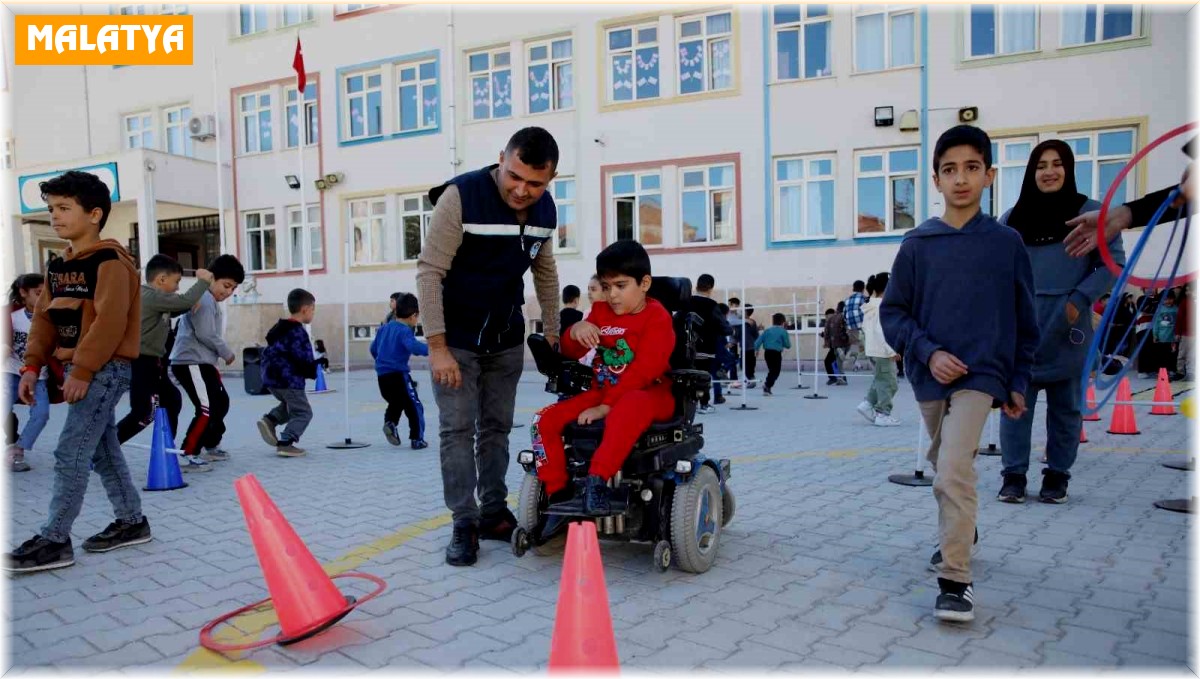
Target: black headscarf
(1041, 218)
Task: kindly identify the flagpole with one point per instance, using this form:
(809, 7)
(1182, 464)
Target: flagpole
(301, 130)
(217, 141)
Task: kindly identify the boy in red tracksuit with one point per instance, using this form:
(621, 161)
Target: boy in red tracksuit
(633, 339)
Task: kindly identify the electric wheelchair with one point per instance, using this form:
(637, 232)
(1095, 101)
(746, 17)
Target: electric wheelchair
(668, 493)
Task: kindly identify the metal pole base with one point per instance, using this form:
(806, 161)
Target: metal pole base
(744, 407)
(517, 426)
(800, 386)
(990, 450)
(1181, 505)
(1188, 466)
(916, 478)
(348, 444)
(814, 397)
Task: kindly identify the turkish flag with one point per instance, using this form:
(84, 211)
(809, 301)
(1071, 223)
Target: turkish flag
(298, 64)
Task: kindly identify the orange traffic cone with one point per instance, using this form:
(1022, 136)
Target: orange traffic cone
(1091, 405)
(1163, 397)
(305, 598)
(1082, 435)
(583, 634)
(1123, 421)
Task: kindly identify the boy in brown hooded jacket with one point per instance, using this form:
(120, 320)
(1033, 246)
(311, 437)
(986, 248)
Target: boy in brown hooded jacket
(89, 317)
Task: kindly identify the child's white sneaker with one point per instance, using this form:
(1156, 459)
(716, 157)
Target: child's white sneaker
(867, 411)
(882, 420)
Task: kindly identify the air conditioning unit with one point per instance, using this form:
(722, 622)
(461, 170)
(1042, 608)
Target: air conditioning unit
(202, 127)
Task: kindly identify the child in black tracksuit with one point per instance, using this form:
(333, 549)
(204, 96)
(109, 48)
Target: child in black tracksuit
(286, 363)
(393, 345)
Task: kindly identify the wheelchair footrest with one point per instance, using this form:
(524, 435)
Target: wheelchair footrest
(618, 502)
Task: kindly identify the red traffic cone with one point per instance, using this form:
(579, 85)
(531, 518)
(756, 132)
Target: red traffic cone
(1163, 398)
(1082, 435)
(583, 634)
(1094, 416)
(1123, 420)
(305, 598)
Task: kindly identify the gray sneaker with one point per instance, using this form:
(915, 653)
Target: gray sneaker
(267, 430)
(289, 450)
(16, 460)
(214, 455)
(193, 463)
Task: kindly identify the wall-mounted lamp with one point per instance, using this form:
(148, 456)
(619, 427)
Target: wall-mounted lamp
(292, 180)
(884, 116)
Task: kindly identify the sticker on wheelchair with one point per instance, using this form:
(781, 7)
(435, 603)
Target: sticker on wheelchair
(535, 436)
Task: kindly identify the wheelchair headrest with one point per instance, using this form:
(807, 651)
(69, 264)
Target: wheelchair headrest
(673, 293)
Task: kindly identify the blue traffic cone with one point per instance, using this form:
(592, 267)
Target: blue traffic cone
(164, 471)
(320, 380)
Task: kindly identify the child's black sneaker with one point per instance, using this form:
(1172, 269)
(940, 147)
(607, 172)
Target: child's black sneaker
(266, 429)
(935, 561)
(594, 492)
(463, 549)
(119, 534)
(39, 554)
(419, 444)
(389, 432)
(1013, 490)
(956, 603)
(1054, 487)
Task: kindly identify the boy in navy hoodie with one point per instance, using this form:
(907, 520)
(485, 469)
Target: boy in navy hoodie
(960, 309)
(286, 363)
(393, 345)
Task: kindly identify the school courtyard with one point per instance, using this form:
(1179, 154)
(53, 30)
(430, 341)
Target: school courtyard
(823, 566)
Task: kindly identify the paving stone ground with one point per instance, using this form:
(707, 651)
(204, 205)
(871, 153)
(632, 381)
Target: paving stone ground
(822, 567)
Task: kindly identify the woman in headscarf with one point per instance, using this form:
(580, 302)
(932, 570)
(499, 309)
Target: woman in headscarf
(1065, 287)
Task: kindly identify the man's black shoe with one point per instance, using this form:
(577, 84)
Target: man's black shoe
(39, 554)
(498, 526)
(119, 534)
(463, 549)
(1054, 487)
(1013, 489)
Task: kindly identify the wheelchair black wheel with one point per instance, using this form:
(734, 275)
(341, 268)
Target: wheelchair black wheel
(728, 506)
(662, 556)
(531, 505)
(696, 521)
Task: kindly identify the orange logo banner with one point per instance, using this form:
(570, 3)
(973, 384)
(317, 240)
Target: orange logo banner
(103, 40)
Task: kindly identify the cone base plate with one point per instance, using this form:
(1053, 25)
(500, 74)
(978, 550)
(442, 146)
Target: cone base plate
(1163, 414)
(148, 489)
(1181, 505)
(1186, 466)
(351, 602)
(323, 391)
(917, 479)
(991, 452)
(1124, 433)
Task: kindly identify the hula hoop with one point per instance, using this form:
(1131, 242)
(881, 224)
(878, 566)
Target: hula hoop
(1102, 243)
(310, 630)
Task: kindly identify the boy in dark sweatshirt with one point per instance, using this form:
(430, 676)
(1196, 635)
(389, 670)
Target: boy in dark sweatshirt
(959, 307)
(286, 363)
(151, 384)
(88, 317)
(393, 345)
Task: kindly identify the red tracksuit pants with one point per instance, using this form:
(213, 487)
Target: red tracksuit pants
(629, 418)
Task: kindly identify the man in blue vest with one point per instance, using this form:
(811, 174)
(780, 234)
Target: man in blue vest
(489, 227)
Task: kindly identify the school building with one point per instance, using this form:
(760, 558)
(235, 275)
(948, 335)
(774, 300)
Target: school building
(777, 147)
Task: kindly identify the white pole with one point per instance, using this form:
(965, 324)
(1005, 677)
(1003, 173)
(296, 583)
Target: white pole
(220, 175)
(301, 129)
(797, 320)
(744, 358)
(817, 347)
(920, 431)
(346, 337)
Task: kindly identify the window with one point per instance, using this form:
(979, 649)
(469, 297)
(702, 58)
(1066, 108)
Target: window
(138, 10)
(705, 52)
(633, 63)
(311, 128)
(563, 191)
(172, 9)
(551, 76)
(139, 131)
(707, 204)
(260, 239)
(415, 214)
(802, 41)
(354, 7)
(491, 84)
(1001, 29)
(6, 156)
(256, 122)
(368, 223)
(886, 190)
(252, 19)
(133, 10)
(1086, 24)
(884, 38)
(418, 95)
(364, 105)
(804, 197)
(637, 207)
(1009, 157)
(296, 237)
(1099, 156)
(297, 14)
(175, 121)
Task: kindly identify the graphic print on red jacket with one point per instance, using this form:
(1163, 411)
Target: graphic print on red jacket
(634, 352)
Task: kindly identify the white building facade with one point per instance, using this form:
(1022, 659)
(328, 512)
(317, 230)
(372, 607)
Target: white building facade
(777, 147)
